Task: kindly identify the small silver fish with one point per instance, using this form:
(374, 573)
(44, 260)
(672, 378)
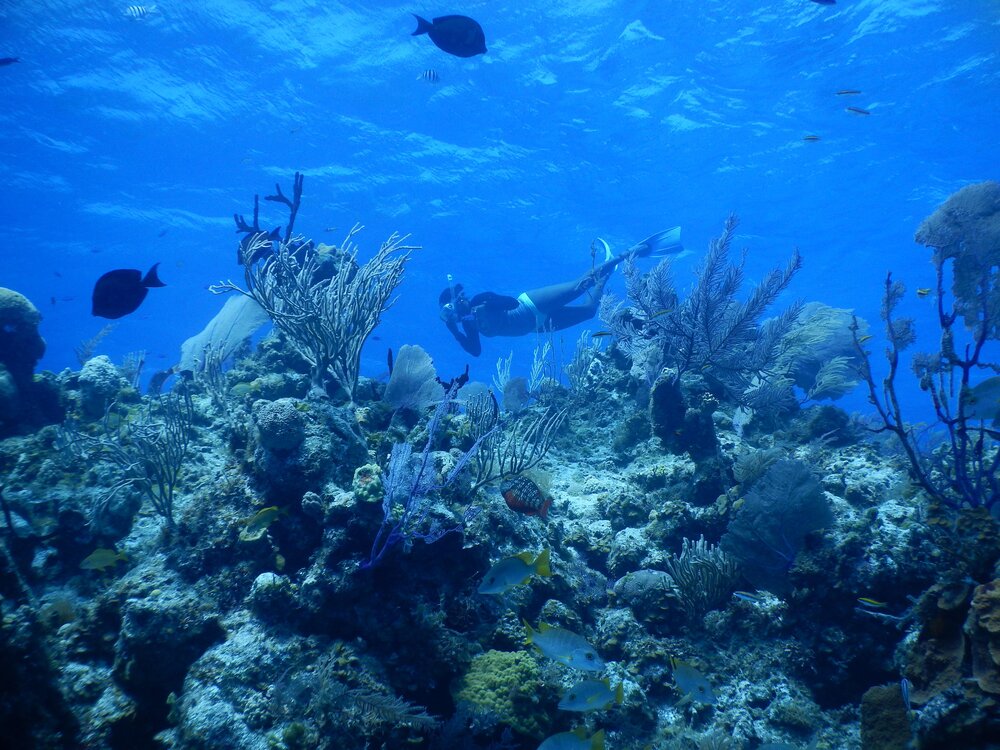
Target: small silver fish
(430, 76)
(138, 12)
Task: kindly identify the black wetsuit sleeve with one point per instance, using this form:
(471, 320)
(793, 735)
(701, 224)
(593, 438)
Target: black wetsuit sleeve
(468, 337)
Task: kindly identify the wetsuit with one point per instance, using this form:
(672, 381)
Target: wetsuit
(535, 311)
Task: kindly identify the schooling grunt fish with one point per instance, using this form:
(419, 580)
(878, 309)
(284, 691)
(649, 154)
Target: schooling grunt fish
(513, 571)
(102, 558)
(564, 646)
(575, 740)
(457, 35)
(983, 401)
(692, 683)
(118, 293)
(591, 695)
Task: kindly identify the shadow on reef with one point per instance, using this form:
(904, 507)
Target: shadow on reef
(672, 542)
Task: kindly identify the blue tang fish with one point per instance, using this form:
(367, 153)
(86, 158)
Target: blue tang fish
(457, 35)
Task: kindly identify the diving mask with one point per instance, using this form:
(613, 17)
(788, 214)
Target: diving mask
(448, 312)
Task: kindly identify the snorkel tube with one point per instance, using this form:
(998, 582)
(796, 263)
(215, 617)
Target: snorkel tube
(449, 310)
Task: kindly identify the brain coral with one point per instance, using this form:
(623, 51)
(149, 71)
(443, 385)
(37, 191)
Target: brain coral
(508, 685)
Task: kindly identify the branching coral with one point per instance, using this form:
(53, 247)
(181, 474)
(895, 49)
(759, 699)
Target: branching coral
(149, 449)
(965, 470)
(711, 332)
(327, 317)
(510, 444)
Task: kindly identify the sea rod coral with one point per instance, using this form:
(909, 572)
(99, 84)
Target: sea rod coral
(964, 471)
(326, 316)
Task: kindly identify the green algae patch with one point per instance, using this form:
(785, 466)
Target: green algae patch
(509, 685)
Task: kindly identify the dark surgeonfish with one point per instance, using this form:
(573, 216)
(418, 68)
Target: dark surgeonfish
(457, 35)
(118, 293)
(9, 60)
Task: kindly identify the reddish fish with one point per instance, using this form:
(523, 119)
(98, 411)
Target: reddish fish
(524, 496)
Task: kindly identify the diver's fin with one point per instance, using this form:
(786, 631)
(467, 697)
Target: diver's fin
(608, 255)
(667, 242)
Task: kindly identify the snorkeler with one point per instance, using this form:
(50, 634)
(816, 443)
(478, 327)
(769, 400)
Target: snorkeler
(544, 309)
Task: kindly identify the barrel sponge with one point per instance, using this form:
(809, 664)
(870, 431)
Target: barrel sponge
(20, 345)
(508, 684)
(966, 228)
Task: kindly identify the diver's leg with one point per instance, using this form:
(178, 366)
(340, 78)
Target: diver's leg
(550, 298)
(567, 317)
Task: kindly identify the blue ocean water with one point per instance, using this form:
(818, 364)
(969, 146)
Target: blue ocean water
(129, 142)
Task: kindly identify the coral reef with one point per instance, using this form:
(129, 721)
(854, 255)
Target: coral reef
(245, 562)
